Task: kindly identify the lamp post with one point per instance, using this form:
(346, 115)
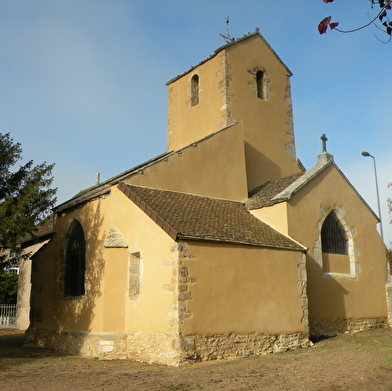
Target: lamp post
(367, 154)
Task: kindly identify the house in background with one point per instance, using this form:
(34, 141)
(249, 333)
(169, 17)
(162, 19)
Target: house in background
(223, 246)
(21, 264)
(30, 245)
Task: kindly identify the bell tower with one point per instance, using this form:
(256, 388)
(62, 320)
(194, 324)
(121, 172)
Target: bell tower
(243, 82)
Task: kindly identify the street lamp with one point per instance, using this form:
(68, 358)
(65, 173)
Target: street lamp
(367, 154)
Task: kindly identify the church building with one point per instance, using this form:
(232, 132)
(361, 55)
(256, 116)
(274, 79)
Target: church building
(223, 246)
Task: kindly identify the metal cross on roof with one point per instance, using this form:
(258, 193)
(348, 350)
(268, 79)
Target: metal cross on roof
(226, 35)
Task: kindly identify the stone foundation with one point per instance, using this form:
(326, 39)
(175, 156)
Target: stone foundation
(332, 327)
(163, 348)
(101, 345)
(228, 346)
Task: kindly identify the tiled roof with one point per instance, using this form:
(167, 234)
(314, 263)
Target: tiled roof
(263, 194)
(194, 217)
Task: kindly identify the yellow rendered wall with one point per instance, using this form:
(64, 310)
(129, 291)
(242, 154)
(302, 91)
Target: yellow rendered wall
(275, 216)
(228, 95)
(150, 311)
(213, 167)
(268, 124)
(338, 296)
(106, 306)
(243, 289)
(188, 123)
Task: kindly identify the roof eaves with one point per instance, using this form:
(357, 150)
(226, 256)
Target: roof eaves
(300, 247)
(105, 187)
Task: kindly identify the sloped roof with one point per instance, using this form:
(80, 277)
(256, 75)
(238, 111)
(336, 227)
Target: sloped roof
(263, 194)
(233, 42)
(282, 190)
(194, 217)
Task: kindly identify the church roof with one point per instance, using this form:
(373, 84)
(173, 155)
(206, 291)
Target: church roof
(233, 42)
(263, 195)
(194, 217)
(280, 190)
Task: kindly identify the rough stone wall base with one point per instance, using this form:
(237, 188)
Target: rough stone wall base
(101, 345)
(332, 327)
(228, 346)
(164, 348)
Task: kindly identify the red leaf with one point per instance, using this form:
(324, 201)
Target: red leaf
(333, 25)
(323, 25)
(327, 1)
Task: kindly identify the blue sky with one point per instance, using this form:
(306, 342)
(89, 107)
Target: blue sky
(82, 82)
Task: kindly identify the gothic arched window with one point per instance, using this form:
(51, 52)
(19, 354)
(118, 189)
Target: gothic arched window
(333, 236)
(194, 90)
(75, 261)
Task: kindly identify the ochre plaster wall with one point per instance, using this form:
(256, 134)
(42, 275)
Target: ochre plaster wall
(243, 289)
(228, 95)
(268, 123)
(187, 123)
(106, 306)
(338, 296)
(213, 167)
(275, 216)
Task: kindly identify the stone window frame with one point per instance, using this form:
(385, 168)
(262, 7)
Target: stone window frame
(63, 264)
(195, 89)
(350, 234)
(262, 91)
(135, 274)
(333, 236)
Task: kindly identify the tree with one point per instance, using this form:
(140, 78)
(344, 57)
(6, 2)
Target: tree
(8, 288)
(25, 194)
(384, 8)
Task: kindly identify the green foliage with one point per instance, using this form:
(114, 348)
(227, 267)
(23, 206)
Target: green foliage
(25, 193)
(8, 288)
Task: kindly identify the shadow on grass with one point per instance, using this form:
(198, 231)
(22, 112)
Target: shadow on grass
(12, 350)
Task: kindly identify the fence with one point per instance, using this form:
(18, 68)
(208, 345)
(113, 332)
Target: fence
(7, 316)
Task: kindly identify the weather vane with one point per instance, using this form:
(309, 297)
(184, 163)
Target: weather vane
(226, 35)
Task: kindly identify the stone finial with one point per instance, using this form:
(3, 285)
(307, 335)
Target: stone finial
(324, 142)
(324, 156)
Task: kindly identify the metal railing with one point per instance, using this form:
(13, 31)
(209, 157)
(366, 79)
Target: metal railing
(7, 316)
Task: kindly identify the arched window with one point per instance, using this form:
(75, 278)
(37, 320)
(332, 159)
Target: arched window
(194, 90)
(333, 236)
(260, 84)
(75, 261)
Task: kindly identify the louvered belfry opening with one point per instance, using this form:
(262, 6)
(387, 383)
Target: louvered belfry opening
(75, 261)
(333, 236)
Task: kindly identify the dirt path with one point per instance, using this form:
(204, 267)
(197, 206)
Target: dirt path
(361, 361)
